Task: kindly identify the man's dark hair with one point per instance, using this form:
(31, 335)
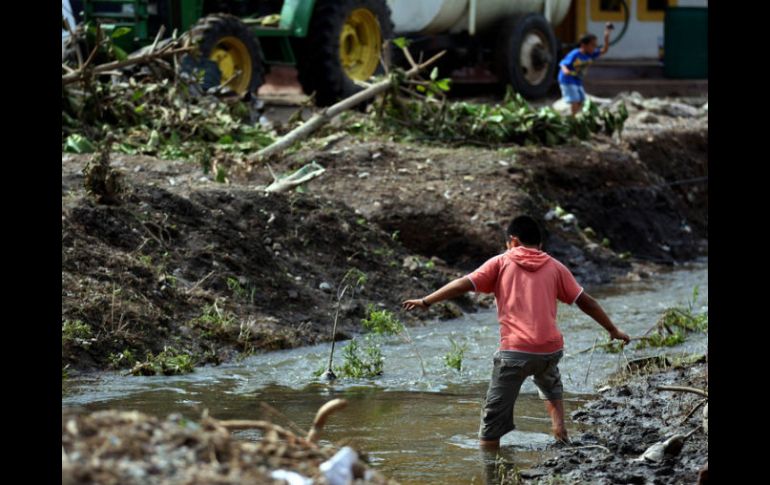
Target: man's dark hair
(525, 229)
(586, 38)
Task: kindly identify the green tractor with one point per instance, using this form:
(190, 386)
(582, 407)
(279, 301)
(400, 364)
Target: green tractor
(333, 43)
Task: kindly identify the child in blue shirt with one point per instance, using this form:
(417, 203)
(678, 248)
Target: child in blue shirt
(574, 66)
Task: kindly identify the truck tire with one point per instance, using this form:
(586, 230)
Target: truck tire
(526, 55)
(345, 41)
(225, 47)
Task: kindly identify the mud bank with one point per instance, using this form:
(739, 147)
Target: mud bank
(219, 270)
(627, 420)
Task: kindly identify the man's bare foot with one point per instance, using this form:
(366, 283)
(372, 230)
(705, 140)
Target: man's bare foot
(561, 436)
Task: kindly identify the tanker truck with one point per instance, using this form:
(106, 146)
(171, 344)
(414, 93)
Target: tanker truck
(513, 38)
(334, 43)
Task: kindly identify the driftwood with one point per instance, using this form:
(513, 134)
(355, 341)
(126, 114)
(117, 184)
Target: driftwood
(693, 390)
(326, 114)
(586, 447)
(312, 437)
(695, 408)
(322, 415)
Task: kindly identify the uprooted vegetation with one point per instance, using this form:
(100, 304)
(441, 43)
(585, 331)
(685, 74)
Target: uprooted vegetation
(153, 107)
(513, 121)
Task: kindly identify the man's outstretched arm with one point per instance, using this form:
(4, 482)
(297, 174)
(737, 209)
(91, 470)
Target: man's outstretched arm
(590, 307)
(454, 288)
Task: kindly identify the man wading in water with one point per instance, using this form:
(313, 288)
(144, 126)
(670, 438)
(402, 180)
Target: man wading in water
(527, 283)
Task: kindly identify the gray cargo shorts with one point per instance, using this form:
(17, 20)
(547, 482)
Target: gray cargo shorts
(508, 374)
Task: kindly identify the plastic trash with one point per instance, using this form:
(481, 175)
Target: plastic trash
(339, 468)
(292, 478)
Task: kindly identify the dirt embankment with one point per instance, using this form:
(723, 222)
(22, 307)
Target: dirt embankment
(217, 269)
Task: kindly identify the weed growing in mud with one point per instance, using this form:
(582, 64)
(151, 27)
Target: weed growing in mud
(454, 358)
(123, 359)
(214, 322)
(169, 362)
(244, 339)
(241, 292)
(384, 251)
(352, 280)
(74, 330)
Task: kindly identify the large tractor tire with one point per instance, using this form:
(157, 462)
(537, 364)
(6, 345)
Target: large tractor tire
(527, 54)
(228, 53)
(345, 42)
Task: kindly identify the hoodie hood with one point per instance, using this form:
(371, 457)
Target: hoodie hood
(528, 258)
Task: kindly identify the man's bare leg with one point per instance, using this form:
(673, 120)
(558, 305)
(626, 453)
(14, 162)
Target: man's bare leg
(555, 409)
(489, 444)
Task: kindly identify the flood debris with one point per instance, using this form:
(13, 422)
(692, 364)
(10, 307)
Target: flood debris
(665, 449)
(129, 447)
(327, 114)
(151, 106)
(298, 177)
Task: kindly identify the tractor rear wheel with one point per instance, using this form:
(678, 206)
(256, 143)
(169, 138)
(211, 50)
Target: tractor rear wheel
(345, 43)
(229, 54)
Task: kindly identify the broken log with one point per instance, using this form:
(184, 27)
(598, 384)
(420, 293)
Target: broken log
(326, 114)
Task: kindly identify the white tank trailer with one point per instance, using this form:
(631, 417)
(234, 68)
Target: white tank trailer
(514, 38)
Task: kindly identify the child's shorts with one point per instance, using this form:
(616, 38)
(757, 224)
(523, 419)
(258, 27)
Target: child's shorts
(508, 374)
(573, 93)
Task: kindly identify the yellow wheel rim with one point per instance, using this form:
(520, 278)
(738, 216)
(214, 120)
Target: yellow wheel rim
(360, 44)
(234, 61)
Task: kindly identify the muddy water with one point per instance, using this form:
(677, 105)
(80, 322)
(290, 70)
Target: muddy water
(415, 429)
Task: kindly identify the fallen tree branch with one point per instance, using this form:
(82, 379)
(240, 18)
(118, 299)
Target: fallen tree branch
(693, 390)
(80, 73)
(273, 411)
(587, 446)
(322, 415)
(161, 30)
(695, 408)
(326, 114)
(239, 424)
(200, 281)
(73, 41)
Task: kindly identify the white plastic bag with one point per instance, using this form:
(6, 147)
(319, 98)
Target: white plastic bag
(339, 468)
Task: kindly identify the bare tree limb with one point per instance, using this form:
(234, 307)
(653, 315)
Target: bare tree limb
(326, 114)
(693, 390)
(77, 75)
